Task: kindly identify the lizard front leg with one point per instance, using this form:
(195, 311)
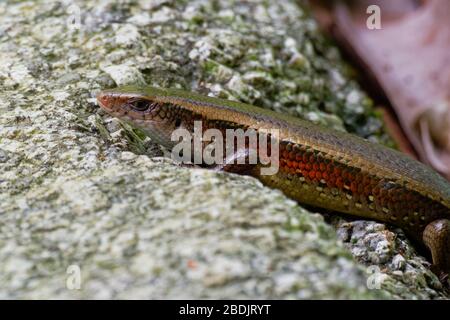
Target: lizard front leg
(436, 237)
(238, 163)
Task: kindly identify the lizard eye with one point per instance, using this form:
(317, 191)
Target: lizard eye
(140, 105)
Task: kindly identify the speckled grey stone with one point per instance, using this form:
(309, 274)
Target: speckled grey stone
(386, 250)
(80, 191)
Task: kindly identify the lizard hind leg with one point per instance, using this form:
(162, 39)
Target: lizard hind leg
(436, 237)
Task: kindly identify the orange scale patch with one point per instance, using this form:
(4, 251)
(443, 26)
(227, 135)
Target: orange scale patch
(366, 180)
(330, 184)
(349, 177)
(354, 187)
(339, 183)
(330, 167)
(410, 197)
(376, 191)
(292, 156)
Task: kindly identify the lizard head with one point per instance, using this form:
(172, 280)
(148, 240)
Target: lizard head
(128, 103)
(145, 107)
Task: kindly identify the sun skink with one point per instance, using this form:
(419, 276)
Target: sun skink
(318, 166)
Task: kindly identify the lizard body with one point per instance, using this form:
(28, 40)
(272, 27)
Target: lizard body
(318, 166)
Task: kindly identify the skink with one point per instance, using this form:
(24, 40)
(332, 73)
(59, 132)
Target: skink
(317, 166)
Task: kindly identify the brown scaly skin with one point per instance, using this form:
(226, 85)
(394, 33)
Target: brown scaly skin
(318, 166)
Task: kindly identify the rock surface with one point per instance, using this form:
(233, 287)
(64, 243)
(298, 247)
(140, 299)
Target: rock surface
(90, 208)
